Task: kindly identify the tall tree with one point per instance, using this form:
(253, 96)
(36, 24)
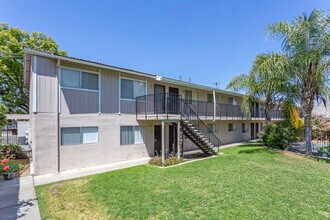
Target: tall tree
(306, 41)
(3, 119)
(266, 81)
(13, 93)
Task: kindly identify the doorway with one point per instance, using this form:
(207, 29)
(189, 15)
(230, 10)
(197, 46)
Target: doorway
(173, 139)
(252, 131)
(159, 99)
(173, 102)
(157, 140)
(257, 130)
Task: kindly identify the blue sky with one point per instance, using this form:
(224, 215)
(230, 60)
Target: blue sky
(207, 41)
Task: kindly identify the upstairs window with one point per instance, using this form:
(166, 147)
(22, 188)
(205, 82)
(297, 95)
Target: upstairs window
(209, 97)
(232, 101)
(130, 89)
(188, 96)
(79, 79)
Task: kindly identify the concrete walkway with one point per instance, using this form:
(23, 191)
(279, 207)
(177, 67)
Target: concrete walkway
(70, 174)
(18, 199)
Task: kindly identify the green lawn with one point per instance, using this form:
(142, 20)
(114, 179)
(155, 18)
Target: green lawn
(246, 182)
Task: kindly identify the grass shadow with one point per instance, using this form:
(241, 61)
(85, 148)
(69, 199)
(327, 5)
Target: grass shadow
(256, 150)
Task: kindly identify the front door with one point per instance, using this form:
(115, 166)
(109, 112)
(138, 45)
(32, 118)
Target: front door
(157, 140)
(252, 130)
(159, 99)
(172, 139)
(173, 102)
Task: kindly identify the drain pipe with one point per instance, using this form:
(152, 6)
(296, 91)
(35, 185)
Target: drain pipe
(58, 112)
(214, 106)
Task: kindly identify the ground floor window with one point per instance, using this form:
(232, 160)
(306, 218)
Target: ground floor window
(232, 127)
(131, 135)
(244, 128)
(213, 127)
(79, 135)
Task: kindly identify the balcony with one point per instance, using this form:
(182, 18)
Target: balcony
(168, 106)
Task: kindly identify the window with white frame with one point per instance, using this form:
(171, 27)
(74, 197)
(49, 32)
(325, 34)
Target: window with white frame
(213, 127)
(188, 96)
(79, 135)
(130, 89)
(232, 127)
(79, 79)
(244, 127)
(209, 97)
(131, 135)
(232, 101)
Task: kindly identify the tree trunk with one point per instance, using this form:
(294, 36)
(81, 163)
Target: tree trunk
(268, 109)
(268, 117)
(308, 132)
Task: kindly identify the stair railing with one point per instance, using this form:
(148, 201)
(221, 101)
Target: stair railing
(188, 114)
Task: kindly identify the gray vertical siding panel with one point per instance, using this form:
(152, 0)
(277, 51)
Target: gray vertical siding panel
(79, 101)
(110, 91)
(128, 107)
(46, 89)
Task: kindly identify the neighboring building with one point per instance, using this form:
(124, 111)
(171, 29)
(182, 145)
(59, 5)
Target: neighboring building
(15, 131)
(84, 113)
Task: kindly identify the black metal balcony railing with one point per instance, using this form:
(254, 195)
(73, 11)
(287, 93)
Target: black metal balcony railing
(166, 105)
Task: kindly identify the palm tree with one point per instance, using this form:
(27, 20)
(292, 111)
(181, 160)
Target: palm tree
(306, 42)
(266, 81)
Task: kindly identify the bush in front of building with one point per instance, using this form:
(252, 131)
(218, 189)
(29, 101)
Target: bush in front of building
(12, 151)
(170, 161)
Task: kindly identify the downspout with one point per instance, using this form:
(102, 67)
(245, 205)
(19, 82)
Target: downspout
(58, 112)
(214, 106)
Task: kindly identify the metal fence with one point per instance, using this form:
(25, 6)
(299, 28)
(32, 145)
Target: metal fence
(8, 138)
(320, 146)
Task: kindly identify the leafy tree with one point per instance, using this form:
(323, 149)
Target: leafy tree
(266, 81)
(3, 119)
(306, 42)
(13, 93)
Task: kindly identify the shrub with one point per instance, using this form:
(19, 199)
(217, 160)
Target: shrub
(12, 151)
(277, 135)
(156, 161)
(170, 161)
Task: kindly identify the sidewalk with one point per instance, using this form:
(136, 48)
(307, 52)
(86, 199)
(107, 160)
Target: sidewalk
(18, 199)
(71, 174)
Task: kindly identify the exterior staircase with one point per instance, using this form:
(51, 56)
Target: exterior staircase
(197, 131)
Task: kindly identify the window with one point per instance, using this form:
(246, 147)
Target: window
(232, 101)
(244, 128)
(131, 135)
(130, 89)
(213, 127)
(78, 79)
(90, 81)
(232, 127)
(209, 97)
(188, 96)
(77, 135)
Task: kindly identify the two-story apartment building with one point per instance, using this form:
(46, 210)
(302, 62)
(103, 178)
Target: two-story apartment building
(84, 113)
